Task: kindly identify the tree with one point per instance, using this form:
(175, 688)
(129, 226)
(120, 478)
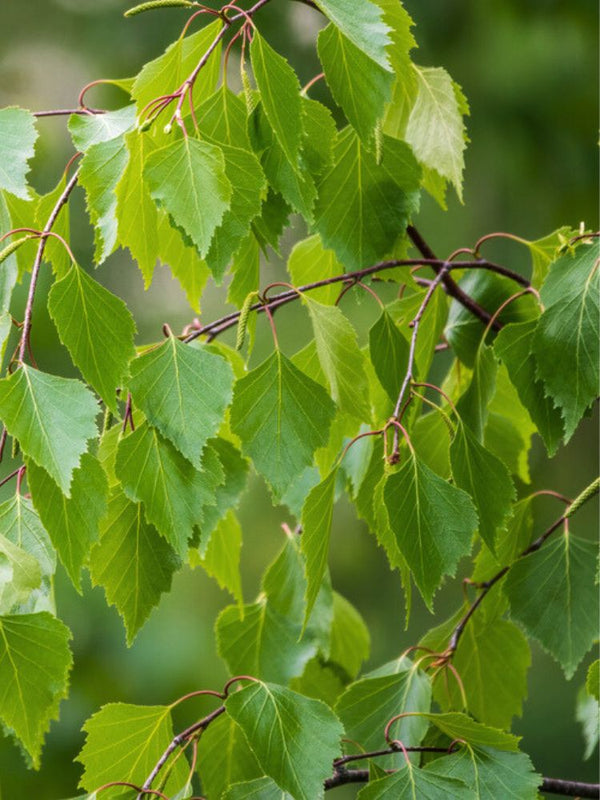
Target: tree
(138, 468)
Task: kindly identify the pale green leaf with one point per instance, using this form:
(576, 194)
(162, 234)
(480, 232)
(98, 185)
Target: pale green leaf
(17, 139)
(294, 738)
(55, 252)
(188, 179)
(246, 271)
(183, 391)
(281, 416)
(173, 491)
(224, 757)
(20, 524)
(363, 24)
(566, 343)
(308, 262)
(89, 129)
(100, 172)
(222, 556)
(280, 95)
(362, 205)
(340, 358)
(132, 562)
(184, 261)
(587, 713)
(72, 522)
(317, 514)
(20, 575)
(123, 743)
(97, 329)
(9, 270)
(223, 117)
(546, 250)
(433, 523)
(258, 789)
(411, 782)
(361, 87)
(32, 688)
(592, 681)
(552, 594)
(53, 418)
(486, 479)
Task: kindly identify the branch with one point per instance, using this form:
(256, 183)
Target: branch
(35, 271)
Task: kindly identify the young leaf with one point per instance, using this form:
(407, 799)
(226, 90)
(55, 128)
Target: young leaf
(433, 523)
(51, 417)
(411, 782)
(188, 179)
(317, 514)
(101, 169)
(71, 522)
(19, 577)
(137, 217)
(280, 95)
(172, 490)
(281, 416)
(225, 757)
(32, 688)
(435, 128)
(592, 681)
(17, 139)
(389, 354)
(514, 346)
(223, 118)
(363, 205)
(358, 85)
(566, 342)
(132, 562)
(587, 713)
(340, 358)
(294, 738)
(366, 706)
(309, 262)
(89, 129)
(124, 742)
(97, 329)
(9, 269)
(486, 479)
(363, 24)
(489, 772)
(552, 595)
(183, 391)
(21, 525)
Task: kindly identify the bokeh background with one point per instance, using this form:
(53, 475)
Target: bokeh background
(529, 72)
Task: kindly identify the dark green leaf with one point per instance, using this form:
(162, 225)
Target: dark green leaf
(389, 353)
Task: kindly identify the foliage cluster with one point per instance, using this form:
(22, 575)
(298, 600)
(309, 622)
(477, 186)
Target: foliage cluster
(137, 469)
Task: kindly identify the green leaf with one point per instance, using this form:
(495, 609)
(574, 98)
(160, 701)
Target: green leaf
(137, 217)
(89, 129)
(363, 205)
(464, 330)
(460, 726)
(266, 638)
(246, 271)
(552, 594)
(17, 139)
(247, 179)
(361, 87)
(100, 172)
(363, 24)
(222, 556)
(491, 773)
(21, 525)
(281, 417)
(294, 738)
(308, 262)
(587, 713)
(227, 494)
(431, 439)
(55, 252)
(514, 346)
(510, 542)
(72, 523)
(123, 743)
(259, 789)
(433, 523)
(546, 250)
(474, 404)
(592, 681)
(411, 782)
(51, 417)
(97, 329)
(185, 263)
(320, 135)
(32, 688)
(368, 704)
(183, 391)
(224, 757)
(188, 179)
(9, 270)
(173, 492)
(389, 354)
(566, 342)
(317, 514)
(20, 575)
(435, 128)
(223, 118)
(280, 95)
(166, 73)
(486, 479)
(350, 639)
(340, 358)
(131, 546)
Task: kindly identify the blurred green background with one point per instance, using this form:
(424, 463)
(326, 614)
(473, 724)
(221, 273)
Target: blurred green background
(529, 73)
